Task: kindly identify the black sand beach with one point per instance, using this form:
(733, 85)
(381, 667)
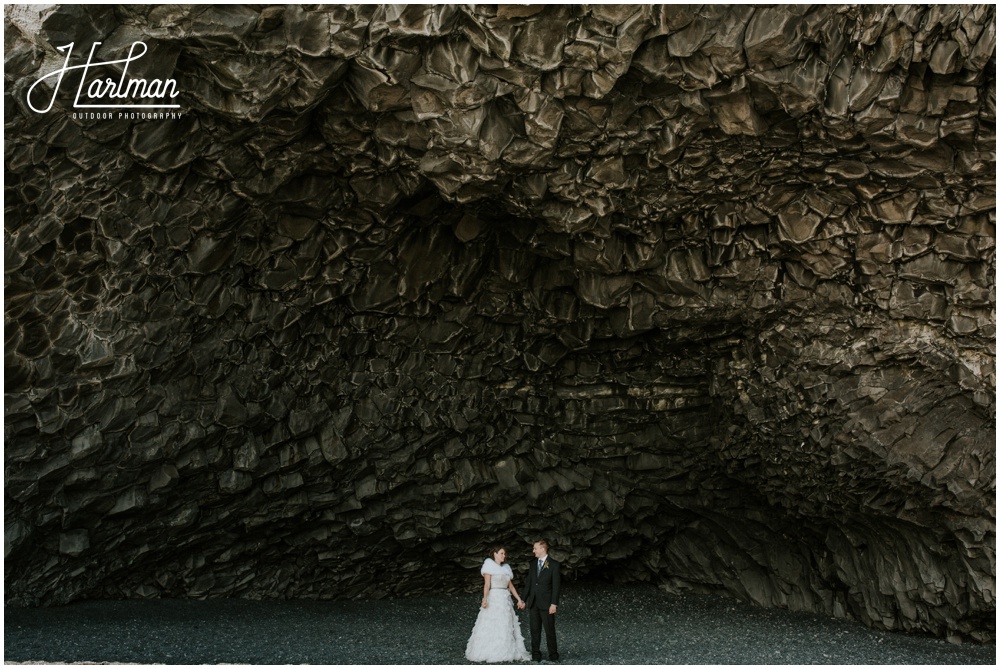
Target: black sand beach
(598, 624)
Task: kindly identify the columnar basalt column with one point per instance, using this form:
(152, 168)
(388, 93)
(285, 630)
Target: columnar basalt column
(705, 295)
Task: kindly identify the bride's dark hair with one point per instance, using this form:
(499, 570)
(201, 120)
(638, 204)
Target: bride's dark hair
(496, 549)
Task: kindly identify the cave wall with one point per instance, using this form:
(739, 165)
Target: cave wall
(704, 295)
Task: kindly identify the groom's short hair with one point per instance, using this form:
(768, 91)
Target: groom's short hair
(544, 543)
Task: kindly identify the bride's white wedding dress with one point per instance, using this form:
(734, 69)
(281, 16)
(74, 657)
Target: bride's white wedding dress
(496, 636)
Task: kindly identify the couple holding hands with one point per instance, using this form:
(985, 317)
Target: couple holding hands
(496, 636)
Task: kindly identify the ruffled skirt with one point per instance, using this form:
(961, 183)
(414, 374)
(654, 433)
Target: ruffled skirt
(496, 637)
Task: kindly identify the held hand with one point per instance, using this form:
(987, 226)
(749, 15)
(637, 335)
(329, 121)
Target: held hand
(520, 605)
(552, 610)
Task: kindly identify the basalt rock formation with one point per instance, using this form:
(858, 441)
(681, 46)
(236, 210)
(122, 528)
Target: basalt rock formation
(704, 295)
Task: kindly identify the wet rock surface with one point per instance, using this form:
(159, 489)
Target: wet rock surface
(705, 295)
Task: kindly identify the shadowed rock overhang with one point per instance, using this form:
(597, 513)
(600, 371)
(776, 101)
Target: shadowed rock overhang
(704, 295)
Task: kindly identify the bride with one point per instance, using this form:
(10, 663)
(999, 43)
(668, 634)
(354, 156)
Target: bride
(496, 636)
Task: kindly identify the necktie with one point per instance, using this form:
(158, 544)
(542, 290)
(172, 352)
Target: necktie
(540, 563)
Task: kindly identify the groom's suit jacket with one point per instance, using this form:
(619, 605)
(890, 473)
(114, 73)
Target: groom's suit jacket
(543, 588)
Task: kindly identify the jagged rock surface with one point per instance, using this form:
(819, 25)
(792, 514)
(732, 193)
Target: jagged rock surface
(703, 294)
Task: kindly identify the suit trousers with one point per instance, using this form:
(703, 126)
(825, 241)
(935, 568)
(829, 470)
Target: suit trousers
(538, 619)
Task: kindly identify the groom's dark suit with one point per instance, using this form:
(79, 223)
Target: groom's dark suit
(542, 592)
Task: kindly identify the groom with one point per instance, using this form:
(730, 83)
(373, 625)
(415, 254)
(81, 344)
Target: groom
(541, 597)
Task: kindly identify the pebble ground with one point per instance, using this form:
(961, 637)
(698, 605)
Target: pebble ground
(597, 624)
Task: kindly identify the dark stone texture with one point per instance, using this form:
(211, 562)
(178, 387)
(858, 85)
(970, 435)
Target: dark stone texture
(664, 629)
(706, 295)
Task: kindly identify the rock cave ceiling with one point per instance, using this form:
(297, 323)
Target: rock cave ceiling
(703, 294)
